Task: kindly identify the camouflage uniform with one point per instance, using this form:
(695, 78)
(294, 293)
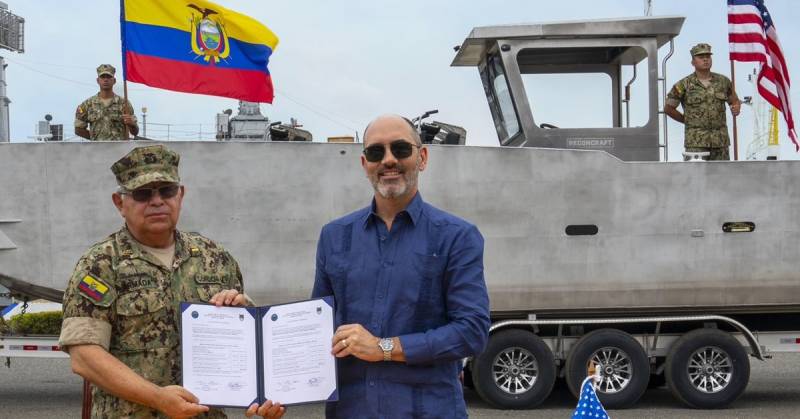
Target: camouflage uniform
(124, 299)
(704, 110)
(141, 306)
(104, 122)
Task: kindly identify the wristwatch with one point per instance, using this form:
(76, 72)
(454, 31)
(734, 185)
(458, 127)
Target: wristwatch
(386, 344)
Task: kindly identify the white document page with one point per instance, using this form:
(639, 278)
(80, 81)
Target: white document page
(298, 364)
(219, 355)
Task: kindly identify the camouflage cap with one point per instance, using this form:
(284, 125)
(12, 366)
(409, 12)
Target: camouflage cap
(145, 165)
(106, 69)
(700, 49)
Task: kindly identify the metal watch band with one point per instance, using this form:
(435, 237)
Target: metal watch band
(387, 353)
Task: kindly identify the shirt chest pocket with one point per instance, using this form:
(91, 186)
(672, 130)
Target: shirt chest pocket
(142, 320)
(346, 273)
(208, 285)
(423, 286)
(94, 114)
(114, 112)
(337, 265)
(695, 97)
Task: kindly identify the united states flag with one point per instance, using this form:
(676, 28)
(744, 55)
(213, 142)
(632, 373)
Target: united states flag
(752, 37)
(588, 404)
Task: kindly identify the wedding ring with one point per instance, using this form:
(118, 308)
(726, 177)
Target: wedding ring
(344, 342)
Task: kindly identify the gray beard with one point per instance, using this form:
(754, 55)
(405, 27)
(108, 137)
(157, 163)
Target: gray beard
(396, 190)
(399, 189)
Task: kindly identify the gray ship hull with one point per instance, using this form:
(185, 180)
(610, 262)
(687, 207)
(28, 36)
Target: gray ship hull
(659, 244)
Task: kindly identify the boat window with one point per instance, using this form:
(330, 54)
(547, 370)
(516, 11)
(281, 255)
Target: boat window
(563, 94)
(570, 100)
(500, 100)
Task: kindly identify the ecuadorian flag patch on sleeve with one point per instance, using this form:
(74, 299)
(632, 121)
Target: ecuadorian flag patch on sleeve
(93, 288)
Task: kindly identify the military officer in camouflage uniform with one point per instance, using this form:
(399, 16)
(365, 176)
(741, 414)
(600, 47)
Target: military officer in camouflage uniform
(121, 307)
(703, 95)
(104, 116)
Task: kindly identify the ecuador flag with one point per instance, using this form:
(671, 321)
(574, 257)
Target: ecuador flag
(196, 46)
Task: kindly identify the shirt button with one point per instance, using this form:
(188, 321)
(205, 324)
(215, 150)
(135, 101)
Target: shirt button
(372, 384)
(383, 238)
(386, 264)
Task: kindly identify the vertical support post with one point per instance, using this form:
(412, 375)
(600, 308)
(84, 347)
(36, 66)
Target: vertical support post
(663, 80)
(86, 407)
(125, 109)
(5, 130)
(735, 130)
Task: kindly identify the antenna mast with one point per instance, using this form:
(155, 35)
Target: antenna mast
(648, 7)
(12, 30)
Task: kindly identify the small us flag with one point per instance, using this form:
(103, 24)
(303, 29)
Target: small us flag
(589, 405)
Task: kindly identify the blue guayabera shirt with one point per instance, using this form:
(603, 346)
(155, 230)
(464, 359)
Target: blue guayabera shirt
(423, 282)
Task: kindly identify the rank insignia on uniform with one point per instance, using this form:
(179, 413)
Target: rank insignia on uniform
(93, 288)
(194, 252)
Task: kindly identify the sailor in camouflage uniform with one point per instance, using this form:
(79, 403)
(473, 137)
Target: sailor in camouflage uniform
(703, 95)
(121, 307)
(103, 117)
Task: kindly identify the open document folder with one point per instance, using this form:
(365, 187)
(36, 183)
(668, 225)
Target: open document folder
(236, 356)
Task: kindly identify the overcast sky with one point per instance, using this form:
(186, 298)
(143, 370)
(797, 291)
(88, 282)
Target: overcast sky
(341, 63)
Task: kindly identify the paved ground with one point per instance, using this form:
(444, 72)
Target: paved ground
(47, 389)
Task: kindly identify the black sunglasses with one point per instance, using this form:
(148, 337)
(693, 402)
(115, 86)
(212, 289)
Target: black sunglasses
(401, 149)
(144, 194)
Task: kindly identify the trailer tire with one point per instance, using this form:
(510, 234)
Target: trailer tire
(496, 372)
(607, 345)
(687, 365)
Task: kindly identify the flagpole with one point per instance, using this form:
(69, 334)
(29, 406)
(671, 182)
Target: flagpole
(125, 107)
(735, 131)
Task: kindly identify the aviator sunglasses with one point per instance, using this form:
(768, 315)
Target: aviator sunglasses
(144, 194)
(401, 149)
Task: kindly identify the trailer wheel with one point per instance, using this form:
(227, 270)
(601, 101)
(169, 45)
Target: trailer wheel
(622, 363)
(707, 369)
(516, 371)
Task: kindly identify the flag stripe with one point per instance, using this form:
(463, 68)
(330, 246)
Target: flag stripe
(744, 19)
(753, 38)
(177, 15)
(740, 3)
(773, 45)
(745, 28)
(758, 49)
(90, 292)
(747, 56)
(99, 286)
(181, 76)
(172, 44)
(197, 47)
(757, 52)
(746, 38)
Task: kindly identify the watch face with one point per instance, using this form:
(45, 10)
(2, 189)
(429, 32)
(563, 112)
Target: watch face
(386, 344)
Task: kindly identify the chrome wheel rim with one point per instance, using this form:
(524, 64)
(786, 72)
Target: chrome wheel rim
(615, 367)
(515, 370)
(710, 369)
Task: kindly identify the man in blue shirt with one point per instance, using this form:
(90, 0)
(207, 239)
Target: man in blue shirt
(407, 278)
